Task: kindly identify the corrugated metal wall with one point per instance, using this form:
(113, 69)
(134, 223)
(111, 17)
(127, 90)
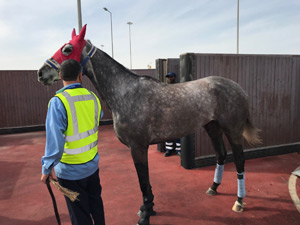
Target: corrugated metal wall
(23, 100)
(272, 83)
(163, 66)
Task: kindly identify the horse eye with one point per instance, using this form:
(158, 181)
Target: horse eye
(67, 49)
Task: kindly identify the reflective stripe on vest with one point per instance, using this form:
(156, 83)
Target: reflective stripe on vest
(71, 100)
(86, 148)
(81, 144)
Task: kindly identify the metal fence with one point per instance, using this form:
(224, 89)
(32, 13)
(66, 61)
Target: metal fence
(24, 101)
(272, 83)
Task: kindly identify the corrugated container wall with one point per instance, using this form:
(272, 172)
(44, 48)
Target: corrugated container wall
(24, 101)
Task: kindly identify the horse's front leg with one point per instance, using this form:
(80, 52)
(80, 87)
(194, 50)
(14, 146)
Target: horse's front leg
(140, 159)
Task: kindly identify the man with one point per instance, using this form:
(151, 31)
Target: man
(170, 146)
(171, 78)
(71, 145)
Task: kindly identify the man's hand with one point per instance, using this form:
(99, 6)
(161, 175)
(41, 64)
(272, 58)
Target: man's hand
(44, 177)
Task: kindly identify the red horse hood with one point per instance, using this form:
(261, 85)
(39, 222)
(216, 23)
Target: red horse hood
(77, 42)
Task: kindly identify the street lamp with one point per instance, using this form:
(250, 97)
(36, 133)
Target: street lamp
(79, 15)
(130, 23)
(111, 29)
(237, 27)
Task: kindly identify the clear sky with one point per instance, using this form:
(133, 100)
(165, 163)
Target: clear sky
(33, 30)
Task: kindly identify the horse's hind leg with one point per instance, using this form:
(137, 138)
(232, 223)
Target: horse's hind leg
(239, 160)
(215, 133)
(140, 158)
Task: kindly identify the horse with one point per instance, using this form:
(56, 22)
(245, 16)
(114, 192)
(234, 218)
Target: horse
(146, 111)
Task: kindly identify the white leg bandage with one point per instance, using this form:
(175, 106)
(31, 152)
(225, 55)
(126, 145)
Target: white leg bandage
(241, 192)
(218, 173)
(169, 146)
(178, 147)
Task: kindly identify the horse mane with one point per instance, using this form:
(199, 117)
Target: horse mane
(125, 69)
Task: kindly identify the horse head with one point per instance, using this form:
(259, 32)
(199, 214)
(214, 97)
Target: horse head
(49, 72)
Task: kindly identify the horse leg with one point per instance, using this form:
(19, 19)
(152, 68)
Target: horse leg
(140, 158)
(215, 133)
(239, 160)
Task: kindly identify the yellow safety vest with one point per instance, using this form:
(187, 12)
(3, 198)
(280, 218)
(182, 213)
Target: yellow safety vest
(83, 113)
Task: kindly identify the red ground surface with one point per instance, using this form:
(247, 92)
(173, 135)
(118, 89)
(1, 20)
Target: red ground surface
(179, 193)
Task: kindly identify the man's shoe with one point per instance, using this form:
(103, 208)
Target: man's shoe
(167, 153)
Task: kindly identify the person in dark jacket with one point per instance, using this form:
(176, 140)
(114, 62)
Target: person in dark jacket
(173, 145)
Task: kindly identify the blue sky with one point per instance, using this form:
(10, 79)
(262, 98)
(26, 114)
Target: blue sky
(32, 30)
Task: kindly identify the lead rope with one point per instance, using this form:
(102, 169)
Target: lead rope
(53, 201)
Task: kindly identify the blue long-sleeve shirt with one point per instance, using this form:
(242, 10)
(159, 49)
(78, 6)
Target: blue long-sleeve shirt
(56, 125)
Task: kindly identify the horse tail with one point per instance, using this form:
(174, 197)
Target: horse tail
(251, 133)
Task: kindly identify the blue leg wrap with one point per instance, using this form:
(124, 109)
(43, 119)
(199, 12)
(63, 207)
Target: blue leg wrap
(218, 173)
(241, 193)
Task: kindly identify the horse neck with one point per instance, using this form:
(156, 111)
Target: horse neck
(112, 80)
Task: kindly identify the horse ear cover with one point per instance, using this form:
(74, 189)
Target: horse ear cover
(73, 33)
(82, 33)
(78, 44)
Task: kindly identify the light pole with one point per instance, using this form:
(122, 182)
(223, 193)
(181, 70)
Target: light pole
(130, 23)
(237, 29)
(79, 15)
(111, 29)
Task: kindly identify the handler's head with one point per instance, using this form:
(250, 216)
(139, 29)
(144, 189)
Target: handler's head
(171, 78)
(70, 69)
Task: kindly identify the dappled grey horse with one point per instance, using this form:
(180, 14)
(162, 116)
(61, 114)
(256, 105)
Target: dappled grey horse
(143, 112)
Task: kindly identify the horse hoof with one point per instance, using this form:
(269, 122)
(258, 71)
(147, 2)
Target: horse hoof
(143, 223)
(144, 220)
(211, 192)
(238, 207)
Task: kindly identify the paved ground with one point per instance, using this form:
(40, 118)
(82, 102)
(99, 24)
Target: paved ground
(179, 193)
